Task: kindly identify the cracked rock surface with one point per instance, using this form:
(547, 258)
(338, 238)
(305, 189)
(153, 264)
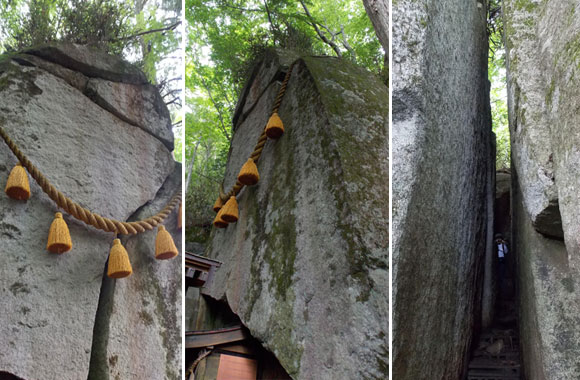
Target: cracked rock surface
(110, 166)
(306, 265)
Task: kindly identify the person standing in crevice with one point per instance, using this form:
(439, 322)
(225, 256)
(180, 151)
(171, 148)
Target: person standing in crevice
(502, 251)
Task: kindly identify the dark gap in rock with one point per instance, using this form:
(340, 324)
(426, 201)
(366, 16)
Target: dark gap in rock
(495, 351)
(549, 222)
(98, 366)
(23, 62)
(218, 318)
(241, 117)
(8, 376)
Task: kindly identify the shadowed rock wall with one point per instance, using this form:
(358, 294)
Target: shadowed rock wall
(306, 266)
(441, 155)
(543, 65)
(60, 318)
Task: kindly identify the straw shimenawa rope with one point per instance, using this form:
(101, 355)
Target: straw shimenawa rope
(202, 354)
(81, 213)
(263, 138)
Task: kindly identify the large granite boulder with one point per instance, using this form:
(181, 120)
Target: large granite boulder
(441, 164)
(305, 268)
(543, 57)
(50, 303)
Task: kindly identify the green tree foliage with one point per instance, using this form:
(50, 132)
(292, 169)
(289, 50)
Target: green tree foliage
(144, 32)
(225, 39)
(498, 93)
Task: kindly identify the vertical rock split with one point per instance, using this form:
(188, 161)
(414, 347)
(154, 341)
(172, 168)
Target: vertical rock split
(441, 145)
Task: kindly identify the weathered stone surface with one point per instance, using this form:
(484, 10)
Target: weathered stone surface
(441, 147)
(142, 318)
(140, 105)
(543, 45)
(271, 68)
(549, 301)
(530, 134)
(74, 78)
(49, 302)
(306, 266)
(90, 62)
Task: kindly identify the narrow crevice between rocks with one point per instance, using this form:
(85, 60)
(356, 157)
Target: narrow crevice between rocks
(98, 364)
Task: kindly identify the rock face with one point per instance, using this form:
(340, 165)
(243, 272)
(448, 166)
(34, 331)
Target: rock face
(306, 266)
(543, 45)
(441, 154)
(51, 312)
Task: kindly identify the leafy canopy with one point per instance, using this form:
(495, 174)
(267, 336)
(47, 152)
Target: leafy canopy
(498, 93)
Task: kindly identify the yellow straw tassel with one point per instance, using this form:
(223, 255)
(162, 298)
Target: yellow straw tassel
(179, 221)
(218, 222)
(119, 264)
(229, 212)
(164, 246)
(17, 186)
(218, 204)
(274, 128)
(249, 173)
(58, 236)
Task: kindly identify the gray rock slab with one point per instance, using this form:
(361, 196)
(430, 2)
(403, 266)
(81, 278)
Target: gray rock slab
(74, 78)
(531, 148)
(441, 141)
(139, 105)
(543, 60)
(90, 62)
(549, 302)
(306, 266)
(50, 301)
(144, 324)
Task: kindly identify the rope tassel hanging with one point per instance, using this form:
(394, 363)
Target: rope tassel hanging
(119, 265)
(218, 222)
(249, 175)
(59, 240)
(218, 204)
(275, 127)
(164, 246)
(229, 212)
(17, 186)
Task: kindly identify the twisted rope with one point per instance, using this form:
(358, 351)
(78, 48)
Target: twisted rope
(262, 139)
(202, 354)
(81, 213)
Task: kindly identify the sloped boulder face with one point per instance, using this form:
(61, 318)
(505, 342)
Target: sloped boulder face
(50, 302)
(543, 45)
(115, 85)
(306, 266)
(441, 159)
(529, 123)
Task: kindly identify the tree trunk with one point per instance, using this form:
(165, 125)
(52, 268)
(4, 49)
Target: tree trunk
(378, 12)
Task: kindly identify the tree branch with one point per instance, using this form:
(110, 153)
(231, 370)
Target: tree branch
(223, 126)
(319, 32)
(170, 27)
(346, 44)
